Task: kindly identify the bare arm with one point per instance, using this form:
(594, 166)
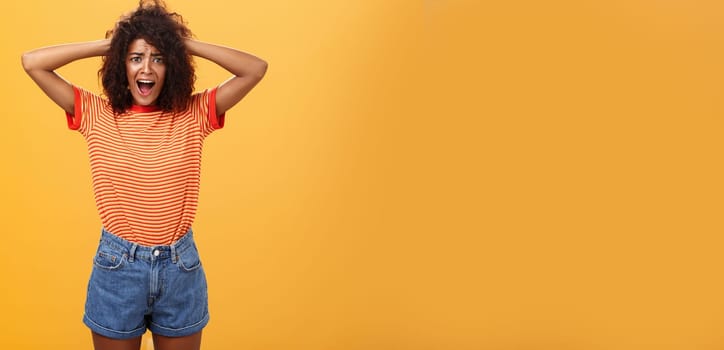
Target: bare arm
(247, 69)
(40, 64)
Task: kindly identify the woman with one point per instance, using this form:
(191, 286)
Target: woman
(144, 140)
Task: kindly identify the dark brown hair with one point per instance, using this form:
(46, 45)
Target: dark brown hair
(162, 29)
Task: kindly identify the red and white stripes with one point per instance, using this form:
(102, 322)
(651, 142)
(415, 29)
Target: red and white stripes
(145, 164)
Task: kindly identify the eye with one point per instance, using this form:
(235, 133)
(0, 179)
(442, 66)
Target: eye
(135, 59)
(158, 59)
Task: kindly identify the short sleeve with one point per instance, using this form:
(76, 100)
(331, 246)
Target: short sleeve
(74, 119)
(86, 108)
(204, 106)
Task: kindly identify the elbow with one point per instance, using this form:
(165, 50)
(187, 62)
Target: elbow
(261, 69)
(27, 61)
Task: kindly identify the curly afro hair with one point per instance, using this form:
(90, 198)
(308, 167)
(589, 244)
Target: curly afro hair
(166, 31)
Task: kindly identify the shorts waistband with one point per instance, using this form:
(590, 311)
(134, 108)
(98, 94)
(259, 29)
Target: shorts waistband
(137, 251)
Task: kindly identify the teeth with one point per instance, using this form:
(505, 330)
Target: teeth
(146, 81)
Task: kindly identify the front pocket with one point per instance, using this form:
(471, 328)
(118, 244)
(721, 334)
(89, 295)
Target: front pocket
(108, 260)
(189, 260)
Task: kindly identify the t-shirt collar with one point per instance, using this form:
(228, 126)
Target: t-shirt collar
(142, 109)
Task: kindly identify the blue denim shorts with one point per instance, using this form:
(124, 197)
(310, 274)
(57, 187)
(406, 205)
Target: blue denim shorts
(133, 288)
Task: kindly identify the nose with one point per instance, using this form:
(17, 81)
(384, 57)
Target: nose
(146, 67)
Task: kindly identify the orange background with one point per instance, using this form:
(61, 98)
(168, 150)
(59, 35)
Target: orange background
(435, 174)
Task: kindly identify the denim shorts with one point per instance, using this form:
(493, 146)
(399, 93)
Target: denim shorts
(133, 288)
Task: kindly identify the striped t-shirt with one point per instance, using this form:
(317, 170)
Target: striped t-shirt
(145, 164)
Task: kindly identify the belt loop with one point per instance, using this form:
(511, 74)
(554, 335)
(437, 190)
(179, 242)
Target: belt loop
(132, 252)
(173, 253)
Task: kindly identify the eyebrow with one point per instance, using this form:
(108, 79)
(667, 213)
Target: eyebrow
(141, 54)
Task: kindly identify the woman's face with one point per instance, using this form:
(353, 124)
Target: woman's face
(146, 72)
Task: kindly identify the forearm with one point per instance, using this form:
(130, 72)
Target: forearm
(239, 63)
(40, 64)
(247, 69)
(53, 57)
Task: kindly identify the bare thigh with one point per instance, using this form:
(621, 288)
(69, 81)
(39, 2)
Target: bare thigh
(189, 342)
(104, 343)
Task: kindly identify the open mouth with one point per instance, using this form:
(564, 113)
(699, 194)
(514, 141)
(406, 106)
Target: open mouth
(145, 86)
